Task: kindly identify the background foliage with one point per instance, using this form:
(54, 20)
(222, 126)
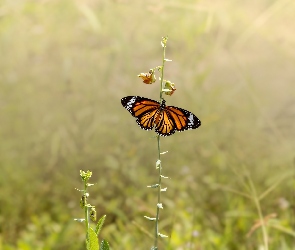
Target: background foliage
(64, 67)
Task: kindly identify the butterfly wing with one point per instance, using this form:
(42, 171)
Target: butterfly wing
(182, 119)
(165, 125)
(167, 120)
(143, 109)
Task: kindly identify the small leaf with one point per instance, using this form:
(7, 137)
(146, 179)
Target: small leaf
(79, 220)
(92, 240)
(89, 184)
(149, 218)
(164, 153)
(104, 245)
(167, 60)
(154, 186)
(160, 205)
(163, 189)
(162, 235)
(99, 224)
(158, 163)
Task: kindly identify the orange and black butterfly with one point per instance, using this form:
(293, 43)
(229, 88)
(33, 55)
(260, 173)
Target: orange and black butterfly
(165, 119)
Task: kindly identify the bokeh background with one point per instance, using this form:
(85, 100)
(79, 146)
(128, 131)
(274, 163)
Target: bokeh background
(64, 67)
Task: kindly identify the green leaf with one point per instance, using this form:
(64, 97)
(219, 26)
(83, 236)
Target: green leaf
(104, 245)
(99, 224)
(92, 243)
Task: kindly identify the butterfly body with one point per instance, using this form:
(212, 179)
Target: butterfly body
(166, 120)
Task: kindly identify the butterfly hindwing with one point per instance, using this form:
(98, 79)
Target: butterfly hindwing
(165, 126)
(147, 120)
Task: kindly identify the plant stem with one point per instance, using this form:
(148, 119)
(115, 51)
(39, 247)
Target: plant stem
(159, 196)
(162, 73)
(86, 212)
(159, 158)
(257, 204)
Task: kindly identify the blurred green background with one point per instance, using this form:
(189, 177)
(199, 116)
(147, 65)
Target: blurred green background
(64, 67)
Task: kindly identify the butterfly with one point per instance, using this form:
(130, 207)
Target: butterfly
(165, 119)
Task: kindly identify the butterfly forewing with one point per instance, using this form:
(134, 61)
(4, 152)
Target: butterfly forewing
(138, 105)
(128, 102)
(145, 106)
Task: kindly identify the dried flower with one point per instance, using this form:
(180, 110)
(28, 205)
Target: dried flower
(148, 78)
(169, 88)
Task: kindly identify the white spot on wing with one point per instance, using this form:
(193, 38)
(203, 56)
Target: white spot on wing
(129, 104)
(191, 120)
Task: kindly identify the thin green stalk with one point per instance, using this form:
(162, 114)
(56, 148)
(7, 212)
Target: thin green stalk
(257, 203)
(159, 154)
(162, 72)
(86, 212)
(159, 196)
